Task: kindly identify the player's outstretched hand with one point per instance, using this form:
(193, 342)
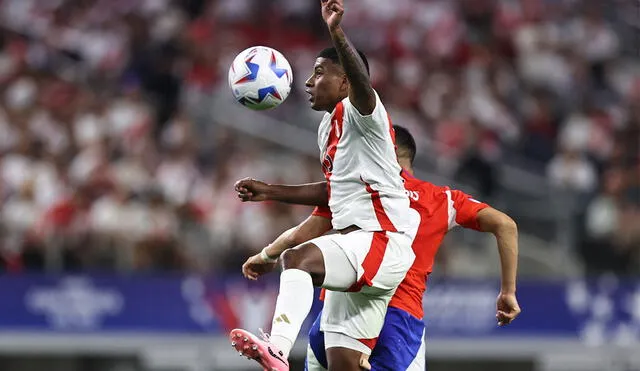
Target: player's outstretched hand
(507, 308)
(332, 11)
(255, 267)
(251, 190)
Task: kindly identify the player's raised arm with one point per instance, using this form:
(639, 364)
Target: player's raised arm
(313, 194)
(361, 92)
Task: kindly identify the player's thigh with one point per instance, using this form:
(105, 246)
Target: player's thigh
(340, 261)
(400, 344)
(341, 355)
(380, 260)
(397, 258)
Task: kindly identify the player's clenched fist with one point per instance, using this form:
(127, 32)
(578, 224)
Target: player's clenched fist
(251, 190)
(507, 308)
(332, 11)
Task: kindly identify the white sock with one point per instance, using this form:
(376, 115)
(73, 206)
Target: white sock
(292, 307)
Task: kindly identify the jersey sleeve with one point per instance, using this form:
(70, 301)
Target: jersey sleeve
(377, 123)
(464, 210)
(322, 211)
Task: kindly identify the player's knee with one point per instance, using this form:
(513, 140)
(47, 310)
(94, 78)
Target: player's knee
(307, 258)
(291, 259)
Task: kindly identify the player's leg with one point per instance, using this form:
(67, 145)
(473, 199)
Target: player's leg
(307, 258)
(303, 267)
(343, 359)
(352, 321)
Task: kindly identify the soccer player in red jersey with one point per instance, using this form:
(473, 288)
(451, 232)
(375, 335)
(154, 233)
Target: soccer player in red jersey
(400, 345)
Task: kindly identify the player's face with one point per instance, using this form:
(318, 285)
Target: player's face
(327, 85)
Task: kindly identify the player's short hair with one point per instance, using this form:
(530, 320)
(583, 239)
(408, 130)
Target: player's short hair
(405, 142)
(332, 53)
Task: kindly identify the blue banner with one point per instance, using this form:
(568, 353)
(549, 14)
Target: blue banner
(103, 303)
(596, 311)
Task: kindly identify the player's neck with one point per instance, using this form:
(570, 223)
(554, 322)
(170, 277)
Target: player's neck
(333, 106)
(406, 165)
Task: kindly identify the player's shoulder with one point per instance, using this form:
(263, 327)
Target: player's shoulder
(435, 194)
(418, 184)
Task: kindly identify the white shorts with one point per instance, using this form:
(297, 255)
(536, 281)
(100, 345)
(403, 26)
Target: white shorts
(418, 364)
(380, 261)
(333, 340)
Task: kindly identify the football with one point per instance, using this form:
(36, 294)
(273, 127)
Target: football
(260, 78)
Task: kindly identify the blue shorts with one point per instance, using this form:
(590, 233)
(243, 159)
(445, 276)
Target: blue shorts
(399, 347)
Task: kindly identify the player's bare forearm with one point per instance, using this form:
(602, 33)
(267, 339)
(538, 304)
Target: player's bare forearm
(312, 227)
(506, 232)
(313, 194)
(361, 92)
(280, 244)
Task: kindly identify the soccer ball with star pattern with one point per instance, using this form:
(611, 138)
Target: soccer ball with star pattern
(260, 78)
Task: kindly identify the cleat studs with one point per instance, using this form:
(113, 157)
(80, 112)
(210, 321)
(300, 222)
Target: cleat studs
(254, 347)
(245, 339)
(233, 343)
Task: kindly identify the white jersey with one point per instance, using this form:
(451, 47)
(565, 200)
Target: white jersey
(359, 162)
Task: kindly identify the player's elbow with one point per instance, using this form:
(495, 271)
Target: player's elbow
(506, 225)
(496, 222)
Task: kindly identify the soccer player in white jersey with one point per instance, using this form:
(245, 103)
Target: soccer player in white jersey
(363, 264)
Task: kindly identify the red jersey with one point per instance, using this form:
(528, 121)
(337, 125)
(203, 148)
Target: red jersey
(441, 209)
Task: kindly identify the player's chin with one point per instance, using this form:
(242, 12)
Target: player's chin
(314, 105)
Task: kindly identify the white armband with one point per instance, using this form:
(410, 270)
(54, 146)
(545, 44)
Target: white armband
(266, 257)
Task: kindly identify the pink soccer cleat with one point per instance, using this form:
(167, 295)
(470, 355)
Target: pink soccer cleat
(260, 350)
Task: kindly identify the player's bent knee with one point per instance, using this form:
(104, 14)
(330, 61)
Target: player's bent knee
(308, 258)
(302, 257)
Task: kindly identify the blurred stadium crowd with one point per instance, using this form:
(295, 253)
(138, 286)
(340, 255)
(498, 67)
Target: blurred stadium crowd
(110, 157)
